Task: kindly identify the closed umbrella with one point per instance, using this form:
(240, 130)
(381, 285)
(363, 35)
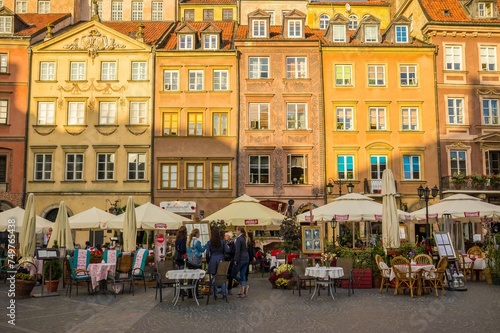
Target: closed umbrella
(61, 230)
(129, 227)
(390, 220)
(27, 238)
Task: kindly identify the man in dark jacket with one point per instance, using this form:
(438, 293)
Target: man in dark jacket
(229, 256)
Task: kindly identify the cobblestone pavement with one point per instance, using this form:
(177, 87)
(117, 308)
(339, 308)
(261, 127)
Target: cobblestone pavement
(264, 310)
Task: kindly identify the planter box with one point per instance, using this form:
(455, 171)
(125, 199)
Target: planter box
(362, 279)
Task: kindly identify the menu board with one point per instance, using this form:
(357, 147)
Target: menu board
(204, 230)
(444, 244)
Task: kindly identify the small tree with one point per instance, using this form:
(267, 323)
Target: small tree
(290, 234)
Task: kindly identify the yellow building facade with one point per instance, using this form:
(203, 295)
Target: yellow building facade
(209, 10)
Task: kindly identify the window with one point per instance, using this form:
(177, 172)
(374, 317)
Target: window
(139, 70)
(170, 123)
(99, 8)
(377, 118)
(46, 113)
(76, 113)
(74, 167)
(186, 42)
(220, 176)
(345, 167)
(376, 75)
(219, 123)
(3, 63)
(259, 169)
(43, 167)
(170, 80)
(221, 80)
(371, 33)
(453, 56)
(488, 58)
(323, 21)
(345, 119)
(490, 111)
(210, 42)
(47, 71)
(169, 175)
(296, 116)
(136, 166)
(296, 169)
(157, 11)
(21, 6)
(3, 168)
(258, 116)
(408, 75)
(108, 71)
(137, 10)
(339, 33)
(116, 11)
(194, 176)
(271, 12)
(343, 75)
(105, 166)
(195, 123)
(411, 167)
(188, 14)
(401, 34)
(196, 80)
(43, 7)
(208, 14)
(353, 22)
(485, 9)
(378, 163)
(77, 71)
(107, 113)
(138, 113)
(227, 14)
(409, 119)
(458, 162)
(258, 67)
(259, 28)
(294, 28)
(4, 111)
(455, 111)
(5, 24)
(296, 67)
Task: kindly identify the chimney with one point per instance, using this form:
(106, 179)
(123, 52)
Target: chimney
(140, 32)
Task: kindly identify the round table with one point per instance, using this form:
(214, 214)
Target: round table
(190, 279)
(324, 276)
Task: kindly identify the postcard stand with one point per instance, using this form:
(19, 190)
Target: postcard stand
(46, 255)
(455, 280)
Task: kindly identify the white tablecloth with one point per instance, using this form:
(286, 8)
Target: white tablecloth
(191, 274)
(414, 269)
(276, 262)
(99, 272)
(325, 272)
(479, 263)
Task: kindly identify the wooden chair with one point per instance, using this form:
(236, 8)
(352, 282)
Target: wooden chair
(404, 277)
(75, 276)
(424, 259)
(385, 272)
(162, 267)
(299, 270)
(219, 280)
(347, 265)
(434, 278)
(123, 273)
(466, 267)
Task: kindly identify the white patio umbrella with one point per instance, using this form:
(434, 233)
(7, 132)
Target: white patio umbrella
(16, 214)
(390, 219)
(247, 211)
(129, 227)
(61, 230)
(92, 218)
(27, 238)
(149, 217)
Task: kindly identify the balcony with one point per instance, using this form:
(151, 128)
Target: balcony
(471, 183)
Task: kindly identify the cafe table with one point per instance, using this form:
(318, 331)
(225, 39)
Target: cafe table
(324, 276)
(186, 279)
(479, 264)
(99, 274)
(418, 269)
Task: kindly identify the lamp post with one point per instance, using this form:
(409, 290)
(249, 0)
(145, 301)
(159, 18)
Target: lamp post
(425, 192)
(333, 223)
(339, 182)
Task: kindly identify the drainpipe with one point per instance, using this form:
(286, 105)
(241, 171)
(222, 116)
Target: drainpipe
(323, 135)
(153, 107)
(438, 137)
(28, 108)
(238, 117)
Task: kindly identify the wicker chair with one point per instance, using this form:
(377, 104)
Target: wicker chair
(466, 267)
(299, 269)
(424, 259)
(475, 250)
(434, 278)
(404, 277)
(385, 272)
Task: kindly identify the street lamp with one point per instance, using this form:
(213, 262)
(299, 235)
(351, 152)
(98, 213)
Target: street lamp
(424, 192)
(339, 182)
(333, 223)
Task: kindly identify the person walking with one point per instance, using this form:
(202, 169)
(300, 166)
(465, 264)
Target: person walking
(229, 256)
(241, 260)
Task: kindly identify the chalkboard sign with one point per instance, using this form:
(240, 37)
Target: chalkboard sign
(43, 254)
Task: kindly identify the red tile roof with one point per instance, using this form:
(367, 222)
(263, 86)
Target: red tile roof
(208, 2)
(227, 28)
(38, 22)
(153, 31)
(451, 11)
(352, 3)
(276, 33)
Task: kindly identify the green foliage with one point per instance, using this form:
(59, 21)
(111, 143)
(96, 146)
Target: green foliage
(25, 277)
(407, 248)
(218, 224)
(52, 269)
(290, 234)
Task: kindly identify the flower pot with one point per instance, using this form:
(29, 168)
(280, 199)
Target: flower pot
(52, 285)
(377, 281)
(24, 288)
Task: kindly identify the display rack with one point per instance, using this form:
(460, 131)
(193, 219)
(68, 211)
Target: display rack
(454, 278)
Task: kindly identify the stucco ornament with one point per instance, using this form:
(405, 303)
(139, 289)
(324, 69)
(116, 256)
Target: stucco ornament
(93, 42)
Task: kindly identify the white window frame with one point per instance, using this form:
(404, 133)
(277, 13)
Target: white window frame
(4, 63)
(78, 71)
(296, 67)
(186, 42)
(196, 80)
(343, 77)
(137, 10)
(453, 57)
(105, 169)
(220, 176)
(116, 10)
(485, 9)
(291, 159)
(46, 113)
(488, 58)
(409, 118)
(410, 165)
(272, 20)
(138, 113)
(108, 71)
(21, 6)
(136, 166)
(169, 175)
(47, 71)
(490, 112)
(220, 122)
(378, 118)
(210, 42)
(258, 116)
(353, 22)
(170, 80)
(401, 33)
(295, 28)
(376, 75)
(107, 113)
(5, 24)
(378, 163)
(221, 79)
(259, 28)
(458, 162)
(195, 175)
(371, 33)
(295, 119)
(324, 20)
(74, 168)
(260, 164)
(343, 169)
(345, 118)
(42, 169)
(4, 111)
(156, 11)
(139, 71)
(99, 8)
(339, 33)
(258, 68)
(408, 75)
(455, 111)
(43, 7)
(76, 113)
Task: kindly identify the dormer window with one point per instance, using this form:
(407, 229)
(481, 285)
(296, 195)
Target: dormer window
(401, 34)
(371, 33)
(485, 9)
(259, 29)
(323, 21)
(294, 28)
(5, 24)
(339, 33)
(353, 22)
(210, 42)
(186, 42)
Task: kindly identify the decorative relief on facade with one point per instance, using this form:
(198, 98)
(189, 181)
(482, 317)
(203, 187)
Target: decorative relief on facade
(260, 139)
(297, 139)
(488, 92)
(278, 172)
(77, 88)
(458, 145)
(93, 42)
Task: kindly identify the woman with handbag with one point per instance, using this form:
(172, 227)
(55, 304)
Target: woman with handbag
(195, 252)
(241, 260)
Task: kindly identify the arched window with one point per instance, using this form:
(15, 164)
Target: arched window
(323, 21)
(353, 22)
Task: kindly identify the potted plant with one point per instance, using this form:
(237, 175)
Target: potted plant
(282, 277)
(459, 180)
(495, 181)
(25, 282)
(479, 181)
(493, 262)
(52, 272)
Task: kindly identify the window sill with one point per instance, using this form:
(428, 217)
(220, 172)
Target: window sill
(75, 129)
(379, 131)
(76, 81)
(4, 73)
(299, 79)
(347, 131)
(46, 81)
(137, 129)
(73, 181)
(41, 181)
(136, 181)
(195, 91)
(131, 81)
(260, 80)
(411, 132)
(97, 181)
(105, 81)
(106, 129)
(44, 129)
